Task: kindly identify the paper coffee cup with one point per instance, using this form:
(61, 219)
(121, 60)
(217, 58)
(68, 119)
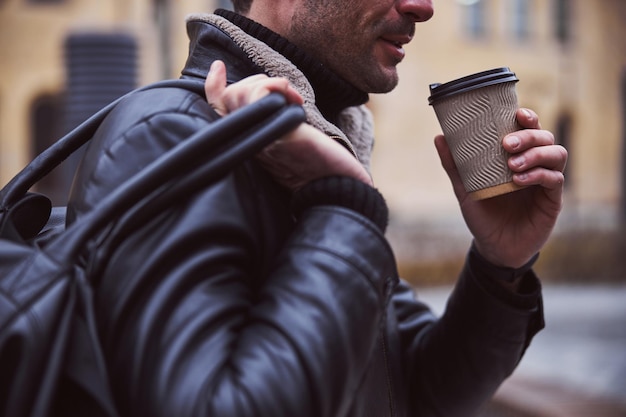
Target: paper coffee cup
(475, 113)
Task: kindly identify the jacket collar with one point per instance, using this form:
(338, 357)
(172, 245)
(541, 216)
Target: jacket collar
(214, 37)
(332, 93)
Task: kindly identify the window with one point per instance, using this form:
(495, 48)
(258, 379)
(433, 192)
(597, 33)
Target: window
(562, 20)
(100, 67)
(520, 15)
(475, 17)
(162, 15)
(46, 120)
(46, 1)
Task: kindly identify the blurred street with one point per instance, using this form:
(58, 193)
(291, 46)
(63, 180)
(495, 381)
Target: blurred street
(577, 365)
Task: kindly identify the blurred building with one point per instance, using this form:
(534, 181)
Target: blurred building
(570, 57)
(62, 58)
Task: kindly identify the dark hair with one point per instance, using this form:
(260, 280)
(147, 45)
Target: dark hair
(242, 6)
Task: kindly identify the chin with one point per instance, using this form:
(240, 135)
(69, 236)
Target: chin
(375, 79)
(383, 85)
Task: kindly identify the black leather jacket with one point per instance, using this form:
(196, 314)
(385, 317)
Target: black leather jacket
(227, 306)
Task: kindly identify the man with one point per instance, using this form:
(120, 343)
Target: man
(274, 292)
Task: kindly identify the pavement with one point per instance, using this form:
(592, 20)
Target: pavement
(576, 366)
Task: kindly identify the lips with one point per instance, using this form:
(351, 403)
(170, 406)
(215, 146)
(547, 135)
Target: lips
(397, 40)
(395, 45)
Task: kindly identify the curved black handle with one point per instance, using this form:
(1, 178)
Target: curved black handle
(192, 164)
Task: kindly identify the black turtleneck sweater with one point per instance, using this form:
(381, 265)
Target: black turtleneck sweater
(332, 93)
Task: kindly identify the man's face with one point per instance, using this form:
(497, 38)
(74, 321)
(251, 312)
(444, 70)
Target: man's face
(361, 40)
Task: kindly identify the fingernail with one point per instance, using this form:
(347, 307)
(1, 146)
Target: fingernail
(521, 177)
(527, 113)
(517, 161)
(513, 142)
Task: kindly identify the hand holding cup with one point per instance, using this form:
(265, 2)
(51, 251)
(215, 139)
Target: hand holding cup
(475, 113)
(511, 228)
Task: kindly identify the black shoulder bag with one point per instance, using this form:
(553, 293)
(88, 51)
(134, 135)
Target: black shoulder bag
(47, 327)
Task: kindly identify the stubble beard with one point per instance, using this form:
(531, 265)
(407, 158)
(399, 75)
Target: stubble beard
(336, 52)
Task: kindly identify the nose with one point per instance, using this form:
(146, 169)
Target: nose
(417, 10)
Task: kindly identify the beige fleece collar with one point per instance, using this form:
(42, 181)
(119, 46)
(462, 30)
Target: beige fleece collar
(355, 127)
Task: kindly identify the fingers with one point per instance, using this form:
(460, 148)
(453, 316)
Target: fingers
(449, 166)
(546, 178)
(251, 89)
(227, 98)
(535, 158)
(306, 154)
(214, 87)
(525, 139)
(542, 166)
(528, 119)
(551, 157)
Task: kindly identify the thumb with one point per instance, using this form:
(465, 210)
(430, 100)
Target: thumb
(214, 87)
(447, 162)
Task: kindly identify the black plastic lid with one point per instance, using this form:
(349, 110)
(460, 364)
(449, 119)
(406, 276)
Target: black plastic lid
(439, 91)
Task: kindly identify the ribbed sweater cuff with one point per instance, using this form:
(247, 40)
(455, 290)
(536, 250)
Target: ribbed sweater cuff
(345, 192)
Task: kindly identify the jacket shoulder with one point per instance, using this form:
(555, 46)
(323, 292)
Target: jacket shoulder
(137, 131)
